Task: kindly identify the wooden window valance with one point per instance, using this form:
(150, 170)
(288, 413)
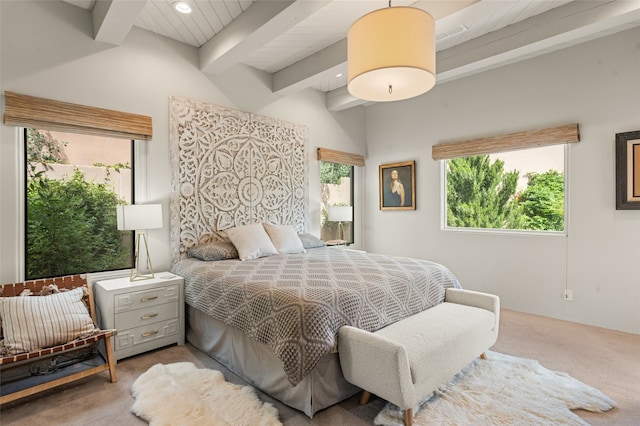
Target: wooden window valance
(520, 140)
(41, 113)
(333, 156)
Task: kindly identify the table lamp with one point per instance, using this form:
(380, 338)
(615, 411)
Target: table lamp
(340, 214)
(139, 218)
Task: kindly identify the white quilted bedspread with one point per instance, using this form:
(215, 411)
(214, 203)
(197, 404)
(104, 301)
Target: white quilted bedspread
(295, 303)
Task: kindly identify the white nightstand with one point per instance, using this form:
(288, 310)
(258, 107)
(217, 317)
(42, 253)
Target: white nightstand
(148, 314)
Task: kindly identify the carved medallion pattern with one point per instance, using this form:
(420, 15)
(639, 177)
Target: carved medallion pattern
(232, 168)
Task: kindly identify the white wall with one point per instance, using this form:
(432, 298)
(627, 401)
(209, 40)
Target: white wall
(596, 84)
(48, 51)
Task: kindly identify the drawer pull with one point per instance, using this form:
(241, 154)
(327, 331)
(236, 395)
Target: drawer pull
(149, 333)
(146, 299)
(147, 316)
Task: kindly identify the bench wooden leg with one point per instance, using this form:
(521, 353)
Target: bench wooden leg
(364, 398)
(408, 417)
(483, 355)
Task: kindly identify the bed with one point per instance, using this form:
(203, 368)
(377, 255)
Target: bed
(274, 320)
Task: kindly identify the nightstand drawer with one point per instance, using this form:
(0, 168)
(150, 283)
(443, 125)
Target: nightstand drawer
(146, 315)
(143, 299)
(126, 339)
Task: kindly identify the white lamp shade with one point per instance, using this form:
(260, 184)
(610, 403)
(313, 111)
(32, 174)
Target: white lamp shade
(391, 54)
(139, 216)
(340, 214)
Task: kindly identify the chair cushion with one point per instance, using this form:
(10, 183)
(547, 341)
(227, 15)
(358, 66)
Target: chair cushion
(36, 322)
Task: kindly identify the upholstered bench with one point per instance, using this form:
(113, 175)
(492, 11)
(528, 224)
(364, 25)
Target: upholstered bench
(406, 361)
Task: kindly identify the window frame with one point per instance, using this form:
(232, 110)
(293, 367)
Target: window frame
(139, 195)
(443, 204)
(352, 187)
(354, 160)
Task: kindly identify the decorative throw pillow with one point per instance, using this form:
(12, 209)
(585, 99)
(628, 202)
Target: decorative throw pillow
(37, 322)
(251, 241)
(310, 241)
(220, 250)
(284, 238)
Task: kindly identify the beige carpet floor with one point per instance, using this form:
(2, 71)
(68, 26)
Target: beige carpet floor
(605, 359)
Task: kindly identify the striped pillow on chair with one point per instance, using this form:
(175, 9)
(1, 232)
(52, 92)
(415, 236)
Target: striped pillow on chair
(36, 322)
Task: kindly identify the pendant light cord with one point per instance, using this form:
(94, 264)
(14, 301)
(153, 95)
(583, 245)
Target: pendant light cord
(390, 87)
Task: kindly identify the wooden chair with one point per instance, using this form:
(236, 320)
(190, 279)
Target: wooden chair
(36, 286)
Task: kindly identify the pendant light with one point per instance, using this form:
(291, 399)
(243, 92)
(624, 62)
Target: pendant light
(391, 54)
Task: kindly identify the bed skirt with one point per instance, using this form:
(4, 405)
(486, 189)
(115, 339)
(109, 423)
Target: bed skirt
(258, 366)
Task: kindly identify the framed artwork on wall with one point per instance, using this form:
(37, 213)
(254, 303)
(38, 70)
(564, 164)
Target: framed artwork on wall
(398, 186)
(628, 170)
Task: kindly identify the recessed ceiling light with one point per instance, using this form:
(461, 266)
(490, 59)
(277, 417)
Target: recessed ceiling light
(182, 7)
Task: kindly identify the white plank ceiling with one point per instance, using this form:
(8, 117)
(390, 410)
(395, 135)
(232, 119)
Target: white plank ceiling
(302, 43)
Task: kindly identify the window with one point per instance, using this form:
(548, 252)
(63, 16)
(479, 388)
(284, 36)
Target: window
(70, 220)
(512, 182)
(336, 202)
(519, 190)
(73, 184)
(336, 194)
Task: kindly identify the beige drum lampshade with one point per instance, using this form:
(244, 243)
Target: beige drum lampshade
(391, 54)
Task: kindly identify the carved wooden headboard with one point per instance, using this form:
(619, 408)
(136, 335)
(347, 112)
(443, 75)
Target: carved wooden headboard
(232, 168)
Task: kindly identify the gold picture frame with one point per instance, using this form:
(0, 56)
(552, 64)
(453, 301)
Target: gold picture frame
(628, 170)
(398, 186)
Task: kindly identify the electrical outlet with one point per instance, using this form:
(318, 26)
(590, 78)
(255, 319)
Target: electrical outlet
(568, 295)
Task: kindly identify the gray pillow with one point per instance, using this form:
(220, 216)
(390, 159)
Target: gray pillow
(220, 250)
(311, 241)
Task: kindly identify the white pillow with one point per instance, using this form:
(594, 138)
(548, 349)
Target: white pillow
(284, 238)
(251, 241)
(38, 322)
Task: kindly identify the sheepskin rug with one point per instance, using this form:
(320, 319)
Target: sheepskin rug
(182, 394)
(504, 390)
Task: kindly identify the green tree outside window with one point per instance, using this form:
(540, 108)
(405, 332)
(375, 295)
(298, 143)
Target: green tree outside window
(71, 222)
(481, 194)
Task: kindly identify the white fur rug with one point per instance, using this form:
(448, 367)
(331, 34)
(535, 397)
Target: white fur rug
(505, 390)
(182, 394)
